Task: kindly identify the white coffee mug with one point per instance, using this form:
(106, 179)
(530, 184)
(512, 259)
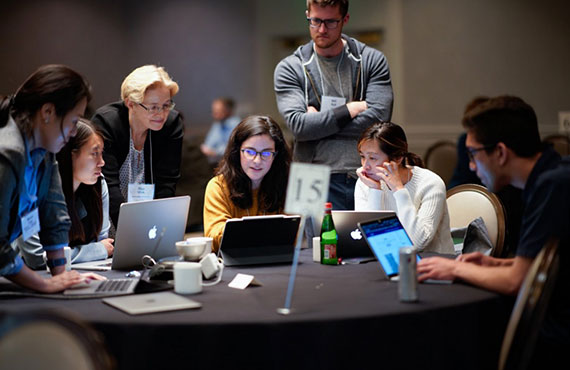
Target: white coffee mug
(187, 277)
(209, 241)
(191, 250)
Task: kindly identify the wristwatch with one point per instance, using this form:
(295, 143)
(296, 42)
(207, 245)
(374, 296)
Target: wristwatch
(56, 262)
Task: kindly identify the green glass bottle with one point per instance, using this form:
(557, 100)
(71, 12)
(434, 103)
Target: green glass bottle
(328, 238)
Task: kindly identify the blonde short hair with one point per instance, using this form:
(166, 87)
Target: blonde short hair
(138, 81)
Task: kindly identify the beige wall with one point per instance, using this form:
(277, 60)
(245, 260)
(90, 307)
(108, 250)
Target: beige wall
(444, 52)
(441, 52)
(204, 45)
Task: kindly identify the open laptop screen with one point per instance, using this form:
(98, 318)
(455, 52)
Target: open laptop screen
(351, 244)
(385, 237)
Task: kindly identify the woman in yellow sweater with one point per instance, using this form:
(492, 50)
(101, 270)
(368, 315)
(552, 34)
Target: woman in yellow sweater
(251, 179)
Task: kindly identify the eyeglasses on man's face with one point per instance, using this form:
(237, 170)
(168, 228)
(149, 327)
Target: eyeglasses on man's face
(329, 23)
(250, 154)
(472, 151)
(155, 109)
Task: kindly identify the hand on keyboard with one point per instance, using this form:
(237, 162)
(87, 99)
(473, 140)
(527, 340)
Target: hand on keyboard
(87, 278)
(93, 276)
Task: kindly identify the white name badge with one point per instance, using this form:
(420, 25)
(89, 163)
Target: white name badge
(140, 192)
(30, 223)
(331, 102)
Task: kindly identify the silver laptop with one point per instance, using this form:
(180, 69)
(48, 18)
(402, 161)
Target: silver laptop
(120, 286)
(351, 244)
(103, 287)
(258, 240)
(153, 302)
(139, 227)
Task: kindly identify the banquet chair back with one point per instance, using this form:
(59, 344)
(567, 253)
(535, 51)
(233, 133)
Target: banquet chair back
(467, 202)
(441, 158)
(530, 307)
(49, 340)
(560, 143)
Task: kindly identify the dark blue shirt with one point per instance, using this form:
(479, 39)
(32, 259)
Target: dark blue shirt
(547, 213)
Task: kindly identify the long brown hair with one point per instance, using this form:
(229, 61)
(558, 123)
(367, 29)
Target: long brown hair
(392, 140)
(81, 232)
(274, 183)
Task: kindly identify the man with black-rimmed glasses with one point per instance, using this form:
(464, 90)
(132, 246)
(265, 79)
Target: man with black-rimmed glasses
(329, 91)
(504, 147)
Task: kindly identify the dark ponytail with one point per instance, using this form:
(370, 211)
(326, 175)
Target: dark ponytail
(412, 159)
(392, 141)
(54, 83)
(5, 105)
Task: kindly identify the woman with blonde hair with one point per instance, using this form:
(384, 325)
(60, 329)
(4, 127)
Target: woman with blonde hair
(143, 138)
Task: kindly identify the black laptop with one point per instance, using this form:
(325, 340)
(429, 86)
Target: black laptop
(351, 243)
(255, 240)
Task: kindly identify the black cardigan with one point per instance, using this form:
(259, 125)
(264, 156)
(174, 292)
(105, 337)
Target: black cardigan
(113, 120)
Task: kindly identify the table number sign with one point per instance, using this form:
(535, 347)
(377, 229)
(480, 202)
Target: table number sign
(307, 189)
(307, 192)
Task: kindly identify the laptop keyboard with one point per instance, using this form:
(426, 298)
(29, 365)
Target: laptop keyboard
(115, 285)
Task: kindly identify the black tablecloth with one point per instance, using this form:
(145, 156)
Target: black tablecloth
(343, 317)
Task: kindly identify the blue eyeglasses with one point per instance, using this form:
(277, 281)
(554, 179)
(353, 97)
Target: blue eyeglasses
(251, 154)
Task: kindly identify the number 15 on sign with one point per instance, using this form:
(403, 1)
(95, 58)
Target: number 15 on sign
(307, 189)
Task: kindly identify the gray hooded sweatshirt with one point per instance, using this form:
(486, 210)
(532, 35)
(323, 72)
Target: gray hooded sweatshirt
(330, 137)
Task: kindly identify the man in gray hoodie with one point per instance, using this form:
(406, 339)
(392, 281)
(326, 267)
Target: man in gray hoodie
(329, 91)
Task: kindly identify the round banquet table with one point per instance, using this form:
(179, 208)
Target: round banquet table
(346, 317)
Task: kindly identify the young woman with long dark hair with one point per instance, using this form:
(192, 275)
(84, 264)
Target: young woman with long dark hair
(87, 197)
(251, 178)
(392, 178)
(35, 123)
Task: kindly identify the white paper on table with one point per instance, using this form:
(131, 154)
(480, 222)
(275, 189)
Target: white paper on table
(242, 281)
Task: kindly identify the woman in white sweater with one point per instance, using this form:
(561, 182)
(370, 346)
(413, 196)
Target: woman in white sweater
(391, 178)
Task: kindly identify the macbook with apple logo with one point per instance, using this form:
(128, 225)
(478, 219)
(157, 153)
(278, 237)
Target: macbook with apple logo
(139, 228)
(351, 243)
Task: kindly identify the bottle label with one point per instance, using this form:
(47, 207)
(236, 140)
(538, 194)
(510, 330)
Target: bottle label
(329, 251)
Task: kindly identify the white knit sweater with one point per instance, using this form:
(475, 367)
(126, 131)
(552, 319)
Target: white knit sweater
(420, 206)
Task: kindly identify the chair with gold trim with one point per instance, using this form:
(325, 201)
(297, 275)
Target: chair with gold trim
(528, 313)
(467, 202)
(560, 143)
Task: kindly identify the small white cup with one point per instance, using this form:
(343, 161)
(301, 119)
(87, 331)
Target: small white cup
(192, 250)
(187, 277)
(317, 248)
(209, 241)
